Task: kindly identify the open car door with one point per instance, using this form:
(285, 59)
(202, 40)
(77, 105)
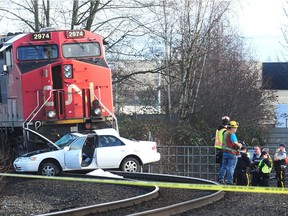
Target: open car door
(73, 154)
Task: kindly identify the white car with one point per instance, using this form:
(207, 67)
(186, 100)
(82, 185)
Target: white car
(102, 148)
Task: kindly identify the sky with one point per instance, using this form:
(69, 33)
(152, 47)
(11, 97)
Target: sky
(261, 22)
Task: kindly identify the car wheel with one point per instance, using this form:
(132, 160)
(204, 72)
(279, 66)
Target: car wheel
(49, 169)
(130, 165)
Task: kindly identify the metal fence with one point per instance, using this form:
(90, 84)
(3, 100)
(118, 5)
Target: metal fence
(196, 161)
(192, 161)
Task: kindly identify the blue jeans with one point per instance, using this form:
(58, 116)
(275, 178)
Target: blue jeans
(228, 165)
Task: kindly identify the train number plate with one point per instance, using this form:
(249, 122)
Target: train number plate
(75, 34)
(41, 36)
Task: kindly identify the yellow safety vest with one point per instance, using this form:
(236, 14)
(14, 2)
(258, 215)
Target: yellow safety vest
(248, 155)
(265, 168)
(219, 138)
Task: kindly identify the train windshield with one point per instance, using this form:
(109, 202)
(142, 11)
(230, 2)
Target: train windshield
(79, 50)
(38, 52)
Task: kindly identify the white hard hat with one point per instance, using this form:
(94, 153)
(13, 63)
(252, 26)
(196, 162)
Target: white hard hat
(226, 118)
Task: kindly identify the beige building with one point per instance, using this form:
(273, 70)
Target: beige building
(139, 92)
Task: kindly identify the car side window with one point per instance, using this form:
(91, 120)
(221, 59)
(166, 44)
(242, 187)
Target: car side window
(109, 141)
(78, 144)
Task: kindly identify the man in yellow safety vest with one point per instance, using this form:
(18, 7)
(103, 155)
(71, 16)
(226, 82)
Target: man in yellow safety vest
(219, 138)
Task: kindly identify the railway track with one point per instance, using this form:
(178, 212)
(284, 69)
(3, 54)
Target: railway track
(130, 206)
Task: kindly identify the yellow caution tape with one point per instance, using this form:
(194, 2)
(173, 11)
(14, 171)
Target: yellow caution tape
(231, 188)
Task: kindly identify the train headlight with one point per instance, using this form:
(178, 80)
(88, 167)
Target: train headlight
(51, 114)
(68, 72)
(96, 111)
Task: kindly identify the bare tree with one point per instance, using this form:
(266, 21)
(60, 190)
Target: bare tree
(37, 15)
(198, 52)
(16, 14)
(46, 9)
(74, 13)
(84, 14)
(204, 56)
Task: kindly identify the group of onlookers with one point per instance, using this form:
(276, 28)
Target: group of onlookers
(240, 168)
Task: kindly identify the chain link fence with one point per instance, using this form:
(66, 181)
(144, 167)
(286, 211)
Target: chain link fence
(192, 161)
(196, 161)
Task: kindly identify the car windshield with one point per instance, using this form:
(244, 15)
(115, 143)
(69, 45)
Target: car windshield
(66, 140)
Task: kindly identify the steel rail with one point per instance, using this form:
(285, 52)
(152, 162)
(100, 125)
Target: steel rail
(103, 207)
(183, 206)
(179, 207)
(168, 210)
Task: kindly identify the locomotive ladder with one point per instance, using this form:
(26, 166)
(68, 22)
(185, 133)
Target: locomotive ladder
(37, 109)
(109, 111)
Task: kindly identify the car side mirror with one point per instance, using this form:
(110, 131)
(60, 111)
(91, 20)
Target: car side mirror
(66, 148)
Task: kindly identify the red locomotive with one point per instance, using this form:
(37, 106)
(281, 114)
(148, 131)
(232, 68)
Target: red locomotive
(53, 82)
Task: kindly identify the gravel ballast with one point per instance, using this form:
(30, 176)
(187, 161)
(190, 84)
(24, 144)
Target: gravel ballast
(21, 197)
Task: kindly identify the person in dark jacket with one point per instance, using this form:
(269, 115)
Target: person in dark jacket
(241, 176)
(265, 168)
(255, 160)
(280, 165)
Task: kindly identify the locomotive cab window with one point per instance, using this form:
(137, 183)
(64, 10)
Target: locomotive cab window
(39, 52)
(79, 50)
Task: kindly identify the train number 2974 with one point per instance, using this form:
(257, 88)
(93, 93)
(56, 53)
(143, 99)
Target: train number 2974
(75, 34)
(41, 36)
